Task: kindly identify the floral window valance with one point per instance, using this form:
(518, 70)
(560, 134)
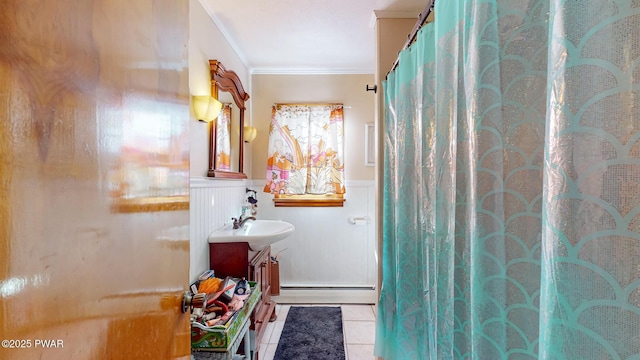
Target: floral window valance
(306, 150)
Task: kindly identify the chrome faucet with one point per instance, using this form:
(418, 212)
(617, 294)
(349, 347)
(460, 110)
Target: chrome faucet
(239, 222)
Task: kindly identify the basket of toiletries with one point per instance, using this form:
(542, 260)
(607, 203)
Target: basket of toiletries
(228, 308)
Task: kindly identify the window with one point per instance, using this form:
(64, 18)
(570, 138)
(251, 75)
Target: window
(305, 165)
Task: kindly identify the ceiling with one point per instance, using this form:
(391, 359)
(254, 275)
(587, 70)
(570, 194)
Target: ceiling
(306, 36)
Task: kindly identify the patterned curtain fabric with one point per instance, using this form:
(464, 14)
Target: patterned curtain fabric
(223, 138)
(306, 150)
(511, 211)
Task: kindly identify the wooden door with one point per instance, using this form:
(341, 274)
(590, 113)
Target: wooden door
(94, 179)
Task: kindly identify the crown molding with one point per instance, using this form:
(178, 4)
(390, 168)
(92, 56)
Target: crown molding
(224, 32)
(309, 71)
(381, 14)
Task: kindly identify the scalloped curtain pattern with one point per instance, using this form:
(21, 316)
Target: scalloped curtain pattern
(306, 150)
(511, 209)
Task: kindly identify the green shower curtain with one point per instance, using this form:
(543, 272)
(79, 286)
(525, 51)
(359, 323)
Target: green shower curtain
(511, 208)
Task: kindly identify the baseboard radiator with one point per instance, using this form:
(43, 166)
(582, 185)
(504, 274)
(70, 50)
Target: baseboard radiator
(326, 294)
(327, 287)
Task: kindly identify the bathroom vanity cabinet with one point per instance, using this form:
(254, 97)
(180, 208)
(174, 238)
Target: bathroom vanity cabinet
(237, 260)
(260, 272)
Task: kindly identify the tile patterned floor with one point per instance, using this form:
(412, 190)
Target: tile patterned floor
(358, 323)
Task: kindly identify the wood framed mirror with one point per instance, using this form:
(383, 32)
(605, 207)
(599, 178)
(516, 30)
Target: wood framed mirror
(227, 88)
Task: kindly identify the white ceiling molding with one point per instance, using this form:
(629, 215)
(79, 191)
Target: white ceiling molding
(381, 14)
(224, 32)
(308, 71)
(395, 14)
(280, 37)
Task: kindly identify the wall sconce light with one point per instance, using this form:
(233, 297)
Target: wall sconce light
(249, 133)
(206, 108)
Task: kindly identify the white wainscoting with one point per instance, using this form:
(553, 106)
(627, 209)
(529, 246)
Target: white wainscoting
(328, 259)
(213, 203)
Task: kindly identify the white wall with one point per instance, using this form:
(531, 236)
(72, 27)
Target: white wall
(327, 259)
(206, 42)
(325, 251)
(213, 201)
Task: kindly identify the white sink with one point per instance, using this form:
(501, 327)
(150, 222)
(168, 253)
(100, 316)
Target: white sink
(258, 233)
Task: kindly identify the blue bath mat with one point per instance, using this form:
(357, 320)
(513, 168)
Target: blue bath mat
(312, 333)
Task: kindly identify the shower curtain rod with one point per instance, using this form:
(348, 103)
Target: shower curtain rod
(414, 32)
